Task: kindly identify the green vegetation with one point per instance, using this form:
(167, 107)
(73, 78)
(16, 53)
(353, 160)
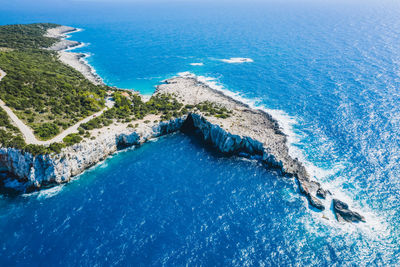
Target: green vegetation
(165, 104)
(50, 96)
(11, 137)
(47, 130)
(9, 134)
(46, 94)
(5, 122)
(43, 92)
(72, 139)
(26, 36)
(130, 107)
(211, 109)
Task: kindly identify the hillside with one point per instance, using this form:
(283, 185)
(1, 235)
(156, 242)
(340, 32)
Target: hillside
(49, 96)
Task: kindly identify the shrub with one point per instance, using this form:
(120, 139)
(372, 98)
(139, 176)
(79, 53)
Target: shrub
(81, 130)
(56, 147)
(72, 139)
(35, 149)
(47, 130)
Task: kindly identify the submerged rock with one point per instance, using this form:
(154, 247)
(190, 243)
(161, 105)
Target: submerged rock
(343, 213)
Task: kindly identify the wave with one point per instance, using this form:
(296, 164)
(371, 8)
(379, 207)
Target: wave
(51, 192)
(237, 60)
(46, 193)
(84, 57)
(92, 69)
(286, 121)
(197, 64)
(67, 35)
(287, 124)
(73, 47)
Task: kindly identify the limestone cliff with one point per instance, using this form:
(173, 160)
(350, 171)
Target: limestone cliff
(59, 168)
(246, 131)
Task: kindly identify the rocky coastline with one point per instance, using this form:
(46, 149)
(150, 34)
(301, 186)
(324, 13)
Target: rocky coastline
(61, 33)
(74, 60)
(246, 132)
(37, 171)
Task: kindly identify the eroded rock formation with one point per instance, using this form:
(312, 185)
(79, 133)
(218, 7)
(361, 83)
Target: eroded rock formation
(246, 131)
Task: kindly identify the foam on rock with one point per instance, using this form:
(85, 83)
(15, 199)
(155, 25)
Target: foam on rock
(246, 131)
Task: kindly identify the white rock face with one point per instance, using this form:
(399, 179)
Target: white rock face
(59, 168)
(225, 141)
(246, 130)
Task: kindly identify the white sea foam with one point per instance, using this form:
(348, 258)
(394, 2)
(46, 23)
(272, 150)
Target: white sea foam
(287, 123)
(80, 45)
(83, 60)
(92, 69)
(51, 192)
(67, 35)
(236, 60)
(197, 64)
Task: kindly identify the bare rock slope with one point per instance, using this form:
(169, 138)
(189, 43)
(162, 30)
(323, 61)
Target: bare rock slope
(247, 130)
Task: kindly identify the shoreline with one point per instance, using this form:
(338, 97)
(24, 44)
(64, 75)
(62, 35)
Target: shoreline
(284, 121)
(257, 126)
(75, 60)
(250, 130)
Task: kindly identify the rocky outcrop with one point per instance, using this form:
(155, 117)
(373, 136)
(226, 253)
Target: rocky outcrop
(344, 214)
(37, 171)
(229, 143)
(323, 193)
(246, 131)
(61, 34)
(224, 141)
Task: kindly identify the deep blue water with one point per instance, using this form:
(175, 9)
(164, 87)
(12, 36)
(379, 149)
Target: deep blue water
(331, 67)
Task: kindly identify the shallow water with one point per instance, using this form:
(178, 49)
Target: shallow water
(329, 72)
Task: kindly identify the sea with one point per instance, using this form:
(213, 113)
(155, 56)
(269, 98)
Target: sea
(327, 70)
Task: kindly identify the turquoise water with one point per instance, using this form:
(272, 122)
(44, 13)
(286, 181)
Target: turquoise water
(328, 71)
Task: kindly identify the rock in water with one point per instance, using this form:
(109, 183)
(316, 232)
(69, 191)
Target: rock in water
(321, 193)
(315, 202)
(343, 213)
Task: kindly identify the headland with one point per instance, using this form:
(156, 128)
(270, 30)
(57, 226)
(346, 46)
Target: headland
(182, 103)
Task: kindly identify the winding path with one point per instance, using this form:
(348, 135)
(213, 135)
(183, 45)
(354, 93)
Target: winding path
(27, 132)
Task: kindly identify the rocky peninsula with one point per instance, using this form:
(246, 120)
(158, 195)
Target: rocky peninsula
(228, 125)
(74, 60)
